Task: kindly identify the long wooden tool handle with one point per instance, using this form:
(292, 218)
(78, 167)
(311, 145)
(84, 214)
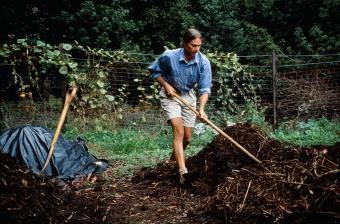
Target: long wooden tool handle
(217, 128)
(69, 97)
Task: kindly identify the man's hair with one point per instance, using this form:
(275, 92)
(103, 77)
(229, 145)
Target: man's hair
(191, 34)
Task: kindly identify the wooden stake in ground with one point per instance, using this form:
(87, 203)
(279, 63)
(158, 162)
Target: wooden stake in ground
(69, 97)
(217, 129)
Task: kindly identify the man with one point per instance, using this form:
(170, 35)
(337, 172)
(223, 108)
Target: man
(180, 71)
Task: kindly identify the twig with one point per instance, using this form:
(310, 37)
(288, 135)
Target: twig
(276, 174)
(323, 200)
(248, 171)
(332, 163)
(245, 196)
(329, 172)
(308, 185)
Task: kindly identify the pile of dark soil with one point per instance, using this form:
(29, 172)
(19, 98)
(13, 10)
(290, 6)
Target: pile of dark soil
(292, 185)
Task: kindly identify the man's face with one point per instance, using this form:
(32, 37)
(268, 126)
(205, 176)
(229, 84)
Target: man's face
(193, 46)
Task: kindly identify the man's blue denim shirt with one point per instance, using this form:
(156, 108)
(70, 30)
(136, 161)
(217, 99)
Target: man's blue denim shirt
(182, 75)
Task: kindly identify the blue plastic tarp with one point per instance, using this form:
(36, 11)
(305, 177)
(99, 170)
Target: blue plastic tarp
(30, 146)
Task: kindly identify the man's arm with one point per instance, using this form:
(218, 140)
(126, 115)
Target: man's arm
(169, 90)
(203, 99)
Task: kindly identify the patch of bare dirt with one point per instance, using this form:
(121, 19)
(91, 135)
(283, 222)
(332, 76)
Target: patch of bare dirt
(292, 185)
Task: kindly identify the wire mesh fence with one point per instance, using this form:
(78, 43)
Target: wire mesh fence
(299, 87)
(303, 86)
(309, 93)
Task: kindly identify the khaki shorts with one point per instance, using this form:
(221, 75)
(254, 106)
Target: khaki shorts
(174, 108)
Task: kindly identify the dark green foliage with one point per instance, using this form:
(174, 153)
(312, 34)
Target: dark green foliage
(244, 27)
(163, 22)
(98, 25)
(305, 26)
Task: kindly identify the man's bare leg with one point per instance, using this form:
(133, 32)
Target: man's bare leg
(178, 132)
(186, 140)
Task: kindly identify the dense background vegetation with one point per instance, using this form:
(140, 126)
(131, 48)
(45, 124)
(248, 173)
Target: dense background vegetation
(240, 26)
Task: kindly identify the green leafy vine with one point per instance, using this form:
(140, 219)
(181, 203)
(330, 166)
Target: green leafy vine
(93, 71)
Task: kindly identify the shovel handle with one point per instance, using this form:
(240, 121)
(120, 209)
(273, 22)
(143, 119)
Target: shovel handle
(69, 97)
(217, 128)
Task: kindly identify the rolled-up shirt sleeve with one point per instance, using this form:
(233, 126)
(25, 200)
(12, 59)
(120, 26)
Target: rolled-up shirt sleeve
(161, 66)
(204, 83)
(155, 70)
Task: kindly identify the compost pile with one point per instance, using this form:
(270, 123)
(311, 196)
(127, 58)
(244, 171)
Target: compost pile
(292, 185)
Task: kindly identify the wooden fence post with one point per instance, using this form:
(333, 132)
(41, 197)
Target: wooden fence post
(274, 87)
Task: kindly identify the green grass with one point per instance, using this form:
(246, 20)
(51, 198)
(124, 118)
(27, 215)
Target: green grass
(310, 133)
(136, 149)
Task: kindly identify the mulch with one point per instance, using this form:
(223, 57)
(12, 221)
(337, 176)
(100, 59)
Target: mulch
(291, 185)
